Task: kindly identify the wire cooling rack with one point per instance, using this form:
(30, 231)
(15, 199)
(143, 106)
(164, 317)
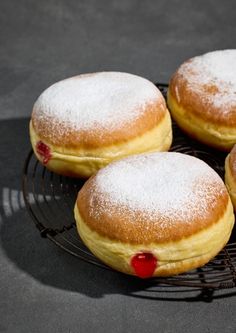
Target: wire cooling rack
(50, 200)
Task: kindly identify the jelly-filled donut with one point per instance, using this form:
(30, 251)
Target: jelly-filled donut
(202, 98)
(83, 123)
(230, 175)
(155, 214)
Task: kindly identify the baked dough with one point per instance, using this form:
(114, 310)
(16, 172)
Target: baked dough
(230, 175)
(202, 98)
(81, 124)
(155, 214)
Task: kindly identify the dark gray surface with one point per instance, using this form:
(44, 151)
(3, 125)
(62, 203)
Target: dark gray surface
(43, 289)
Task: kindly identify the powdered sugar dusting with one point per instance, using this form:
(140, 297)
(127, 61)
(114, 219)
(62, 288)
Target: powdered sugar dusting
(170, 186)
(104, 100)
(213, 72)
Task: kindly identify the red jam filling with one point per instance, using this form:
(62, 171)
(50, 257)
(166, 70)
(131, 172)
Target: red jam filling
(44, 151)
(144, 264)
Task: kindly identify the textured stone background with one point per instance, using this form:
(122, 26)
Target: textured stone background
(43, 289)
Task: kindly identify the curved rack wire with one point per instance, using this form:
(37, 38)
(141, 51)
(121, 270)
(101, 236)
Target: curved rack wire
(50, 199)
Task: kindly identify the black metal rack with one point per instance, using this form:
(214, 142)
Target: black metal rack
(50, 200)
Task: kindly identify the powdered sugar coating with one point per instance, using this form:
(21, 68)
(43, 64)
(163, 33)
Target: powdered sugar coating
(213, 72)
(163, 187)
(105, 100)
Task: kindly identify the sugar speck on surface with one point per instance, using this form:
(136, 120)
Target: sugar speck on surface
(170, 185)
(217, 69)
(98, 100)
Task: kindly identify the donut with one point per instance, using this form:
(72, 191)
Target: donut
(154, 214)
(230, 175)
(202, 98)
(82, 123)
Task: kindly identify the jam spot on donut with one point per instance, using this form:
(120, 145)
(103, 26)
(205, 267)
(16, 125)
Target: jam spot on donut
(44, 151)
(144, 264)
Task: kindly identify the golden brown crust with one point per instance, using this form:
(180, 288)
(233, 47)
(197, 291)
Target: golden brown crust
(220, 137)
(173, 257)
(85, 162)
(230, 177)
(90, 139)
(232, 162)
(193, 101)
(119, 225)
(97, 110)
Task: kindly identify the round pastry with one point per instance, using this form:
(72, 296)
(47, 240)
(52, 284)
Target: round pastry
(155, 214)
(202, 98)
(83, 123)
(230, 175)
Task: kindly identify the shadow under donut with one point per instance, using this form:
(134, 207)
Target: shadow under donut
(50, 265)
